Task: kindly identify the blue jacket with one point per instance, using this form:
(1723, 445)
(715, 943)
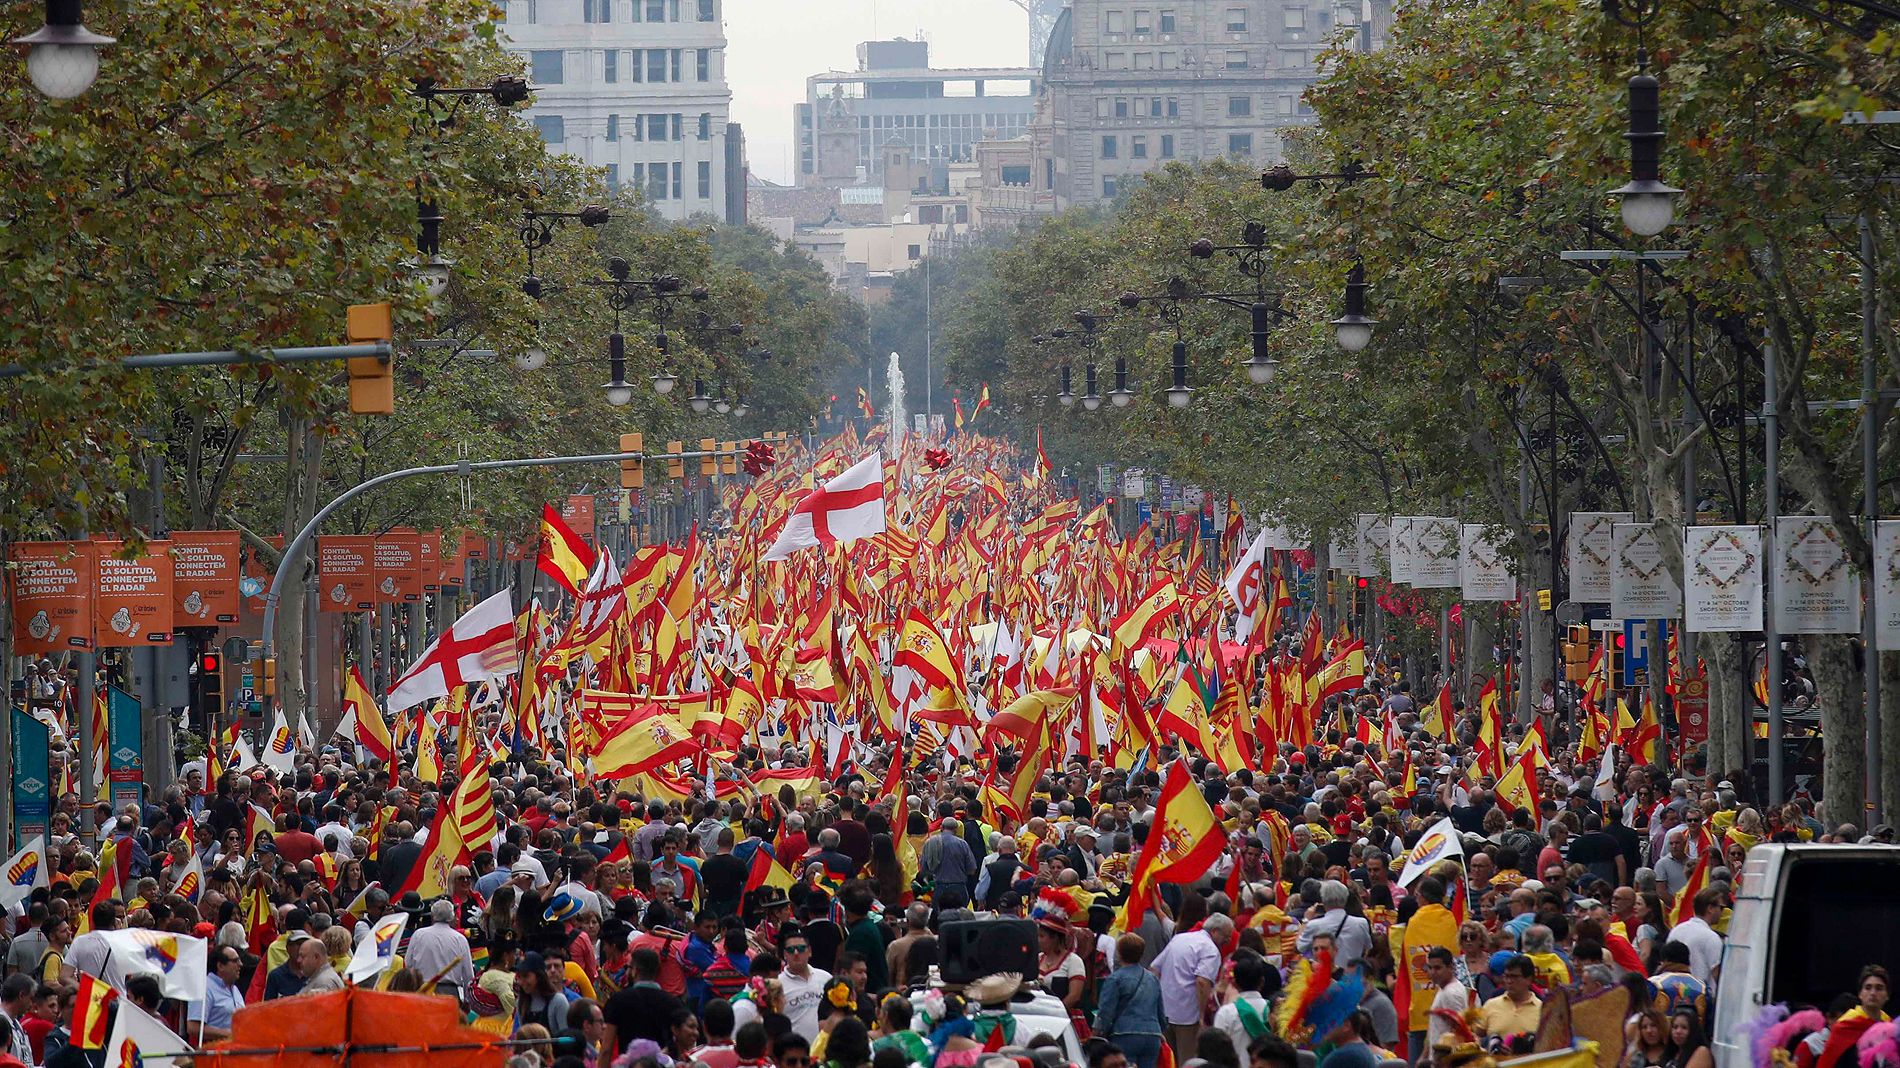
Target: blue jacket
(1130, 1003)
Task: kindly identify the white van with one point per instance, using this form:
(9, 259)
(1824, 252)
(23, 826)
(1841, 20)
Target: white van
(1807, 919)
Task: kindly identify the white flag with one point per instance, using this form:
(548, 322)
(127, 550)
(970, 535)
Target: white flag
(138, 1038)
(179, 961)
(377, 952)
(480, 645)
(1246, 583)
(848, 507)
(25, 872)
(1440, 842)
(280, 748)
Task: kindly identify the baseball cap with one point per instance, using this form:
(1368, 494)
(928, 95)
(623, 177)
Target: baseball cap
(530, 962)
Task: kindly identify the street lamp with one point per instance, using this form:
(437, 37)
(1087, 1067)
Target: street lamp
(433, 269)
(619, 394)
(534, 357)
(1353, 330)
(62, 56)
(1067, 395)
(1179, 394)
(1090, 400)
(1649, 206)
(1121, 395)
(699, 401)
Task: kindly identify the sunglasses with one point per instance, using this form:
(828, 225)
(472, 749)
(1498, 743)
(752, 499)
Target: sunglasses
(798, 949)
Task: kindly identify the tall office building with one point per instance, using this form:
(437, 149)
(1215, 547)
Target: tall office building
(638, 87)
(1130, 84)
(850, 120)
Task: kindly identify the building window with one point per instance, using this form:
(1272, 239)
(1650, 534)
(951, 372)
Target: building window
(656, 182)
(534, 12)
(915, 252)
(1121, 107)
(705, 180)
(1016, 174)
(1108, 187)
(1167, 22)
(613, 127)
(702, 63)
(1167, 146)
(674, 54)
(1138, 148)
(1286, 105)
(679, 127)
(610, 65)
(639, 170)
(1144, 22)
(552, 128)
(656, 64)
(1239, 107)
(1296, 18)
(706, 13)
(1114, 22)
(1174, 108)
(705, 126)
(1108, 147)
(635, 67)
(544, 66)
(1169, 61)
(656, 10)
(1117, 61)
(1236, 60)
(676, 180)
(1103, 107)
(1144, 61)
(1240, 144)
(1236, 20)
(597, 11)
(613, 177)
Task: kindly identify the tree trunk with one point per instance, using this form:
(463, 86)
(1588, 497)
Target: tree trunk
(302, 480)
(1890, 736)
(1540, 634)
(1730, 702)
(1843, 728)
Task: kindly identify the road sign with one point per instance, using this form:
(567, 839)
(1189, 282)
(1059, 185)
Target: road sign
(1636, 649)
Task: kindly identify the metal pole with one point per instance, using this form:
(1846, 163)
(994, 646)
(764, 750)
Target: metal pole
(1526, 599)
(1870, 511)
(1771, 514)
(231, 357)
(927, 397)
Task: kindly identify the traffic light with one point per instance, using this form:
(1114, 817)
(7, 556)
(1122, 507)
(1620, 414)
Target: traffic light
(1577, 653)
(270, 677)
(210, 684)
(709, 456)
(729, 458)
(372, 379)
(675, 463)
(1616, 660)
(632, 476)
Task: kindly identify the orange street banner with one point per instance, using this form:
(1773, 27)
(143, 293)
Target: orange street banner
(50, 588)
(429, 559)
(132, 600)
(254, 573)
(346, 573)
(398, 564)
(205, 576)
(578, 513)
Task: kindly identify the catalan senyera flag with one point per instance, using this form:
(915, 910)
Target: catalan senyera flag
(1518, 788)
(864, 404)
(1182, 845)
(475, 797)
(564, 557)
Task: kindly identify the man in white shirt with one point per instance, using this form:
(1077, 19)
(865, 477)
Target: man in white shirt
(1452, 997)
(1246, 1017)
(1698, 933)
(1351, 935)
(16, 997)
(803, 986)
(441, 950)
(1188, 967)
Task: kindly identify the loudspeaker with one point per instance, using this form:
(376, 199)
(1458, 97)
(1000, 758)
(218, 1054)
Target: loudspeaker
(972, 949)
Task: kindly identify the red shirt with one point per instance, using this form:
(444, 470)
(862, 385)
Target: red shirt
(297, 846)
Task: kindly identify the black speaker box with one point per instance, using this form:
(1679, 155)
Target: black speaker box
(972, 949)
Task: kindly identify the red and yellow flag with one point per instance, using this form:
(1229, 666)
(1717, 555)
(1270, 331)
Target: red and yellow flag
(1183, 843)
(1518, 788)
(89, 1011)
(564, 557)
(372, 731)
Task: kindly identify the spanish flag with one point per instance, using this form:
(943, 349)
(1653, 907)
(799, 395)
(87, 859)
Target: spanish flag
(1437, 717)
(982, 402)
(564, 557)
(89, 1011)
(646, 737)
(1684, 908)
(1183, 843)
(371, 730)
(766, 871)
(430, 876)
(1518, 788)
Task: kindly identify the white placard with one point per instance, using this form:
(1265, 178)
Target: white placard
(1590, 551)
(1342, 552)
(1817, 586)
(1484, 569)
(1641, 584)
(1374, 534)
(1403, 544)
(1722, 569)
(1886, 607)
(1436, 550)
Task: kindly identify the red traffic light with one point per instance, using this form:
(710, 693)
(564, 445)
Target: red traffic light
(210, 663)
(1619, 641)
(1363, 583)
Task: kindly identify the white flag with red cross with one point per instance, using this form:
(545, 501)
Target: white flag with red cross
(848, 507)
(481, 645)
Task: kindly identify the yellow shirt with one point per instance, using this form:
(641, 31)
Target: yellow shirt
(1502, 1016)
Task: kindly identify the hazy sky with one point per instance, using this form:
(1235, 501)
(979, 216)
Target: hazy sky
(774, 45)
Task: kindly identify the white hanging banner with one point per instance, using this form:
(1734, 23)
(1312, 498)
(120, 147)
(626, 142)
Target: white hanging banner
(1374, 534)
(1817, 587)
(1886, 606)
(1404, 543)
(1342, 552)
(1722, 574)
(1641, 585)
(1436, 545)
(1590, 550)
(1484, 569)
